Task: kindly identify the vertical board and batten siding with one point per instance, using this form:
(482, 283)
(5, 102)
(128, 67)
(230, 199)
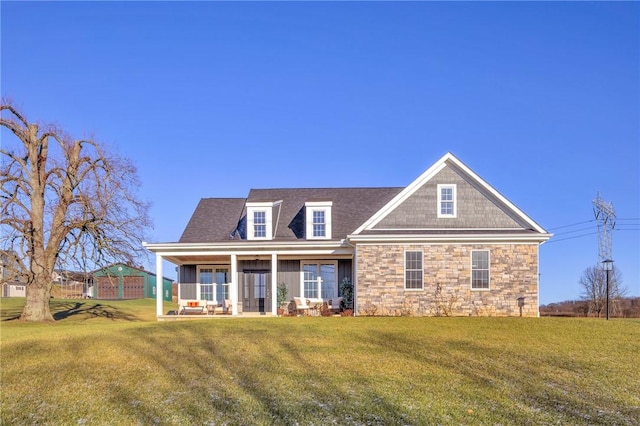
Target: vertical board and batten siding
(288, 273)
(188, 274)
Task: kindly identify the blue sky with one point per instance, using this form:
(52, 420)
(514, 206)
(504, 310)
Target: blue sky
(209, 99)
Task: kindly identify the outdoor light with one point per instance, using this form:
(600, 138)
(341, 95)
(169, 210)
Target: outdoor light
(520, 304)
(608, 266)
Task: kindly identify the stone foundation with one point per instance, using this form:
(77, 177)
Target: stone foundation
(447, 289)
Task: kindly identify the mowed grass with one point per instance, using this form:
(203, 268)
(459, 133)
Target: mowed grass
(109, 362)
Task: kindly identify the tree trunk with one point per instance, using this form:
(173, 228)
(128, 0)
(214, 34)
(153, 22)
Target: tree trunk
(37, 307)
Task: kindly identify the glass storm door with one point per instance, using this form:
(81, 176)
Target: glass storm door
(256, 292)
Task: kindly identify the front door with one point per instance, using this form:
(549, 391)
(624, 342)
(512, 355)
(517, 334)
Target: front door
(256, 292)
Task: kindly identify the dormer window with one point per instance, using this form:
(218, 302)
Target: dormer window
(318, 219)
(447, 203)
(262, 219)
(259, 224)
(319, 224)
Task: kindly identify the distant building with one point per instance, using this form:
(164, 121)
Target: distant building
(12, 282)
(120, 281)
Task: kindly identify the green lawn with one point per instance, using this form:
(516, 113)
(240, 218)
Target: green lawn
(109, 362)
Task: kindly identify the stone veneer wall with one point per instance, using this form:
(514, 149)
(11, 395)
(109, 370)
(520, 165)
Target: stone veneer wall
(447, 290)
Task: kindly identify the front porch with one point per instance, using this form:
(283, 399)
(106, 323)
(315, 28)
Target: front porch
(245, 282)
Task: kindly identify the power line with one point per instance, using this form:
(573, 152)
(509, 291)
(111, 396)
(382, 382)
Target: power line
(570, 238)
(590, 221)
(573, 224)
(574, 231)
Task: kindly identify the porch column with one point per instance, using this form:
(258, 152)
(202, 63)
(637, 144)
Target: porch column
(234, 284)
(354, 275)
(179, 280)
(159, 284)
(319, 294)
(274, 284)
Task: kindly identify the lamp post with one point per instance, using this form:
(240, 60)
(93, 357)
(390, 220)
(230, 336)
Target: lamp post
(608, 264)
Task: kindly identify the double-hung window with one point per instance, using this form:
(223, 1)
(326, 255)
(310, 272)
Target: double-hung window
(413, 270)
(222, 284)
(480, 270)
(447, 201)
(206, 283)
(259, 224)
(319, 224)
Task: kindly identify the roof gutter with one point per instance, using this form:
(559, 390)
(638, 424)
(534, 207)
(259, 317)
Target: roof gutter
(449, 238)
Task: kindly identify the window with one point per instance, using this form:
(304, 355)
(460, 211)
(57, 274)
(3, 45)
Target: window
(259, 224)
(318, 219)
(222, 284)
(310, 281)
(206, 283)
(413, 272)
(319, 225)
(480, 270)
(446, 200)
(327, 272)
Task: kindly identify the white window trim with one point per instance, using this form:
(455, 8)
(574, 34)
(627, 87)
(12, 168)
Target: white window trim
(488, 271)
(318, 206)
(199, 284)
(453, 186)
(267, 208)
(404, 261)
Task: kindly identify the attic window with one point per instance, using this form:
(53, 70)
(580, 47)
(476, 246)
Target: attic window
(318, 219)
(447, 203)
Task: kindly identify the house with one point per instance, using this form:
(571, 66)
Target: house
(14, 289)
(13, 284)
(120, 281)
(447, 244)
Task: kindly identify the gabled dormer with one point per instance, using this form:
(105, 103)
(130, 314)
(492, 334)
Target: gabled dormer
(318, 224)
(262, 219)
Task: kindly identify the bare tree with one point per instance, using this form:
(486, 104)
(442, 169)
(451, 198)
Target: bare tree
(594, 289)
(64, 203)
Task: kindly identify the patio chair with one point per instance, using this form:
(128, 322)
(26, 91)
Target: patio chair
(301, 305)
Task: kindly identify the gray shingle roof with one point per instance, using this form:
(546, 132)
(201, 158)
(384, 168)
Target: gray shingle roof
(351, 207)
(215, 219)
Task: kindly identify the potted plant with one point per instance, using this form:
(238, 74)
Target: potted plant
(281, 295)
(346, 289)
